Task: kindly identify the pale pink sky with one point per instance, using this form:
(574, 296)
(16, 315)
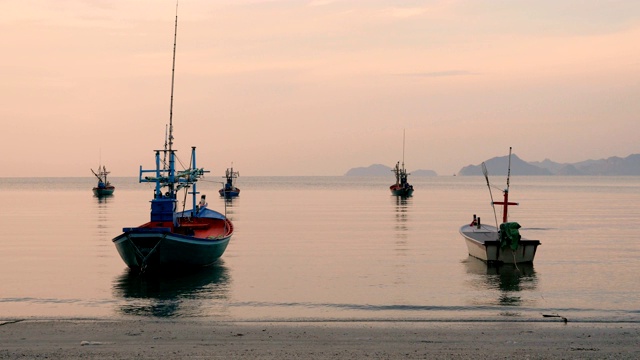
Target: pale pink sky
(316, 87)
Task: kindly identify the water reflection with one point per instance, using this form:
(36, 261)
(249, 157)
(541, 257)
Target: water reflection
(102, 218)
(230, 204)
(401, 215)
(508, 279)
(186, 294)
(103, 199)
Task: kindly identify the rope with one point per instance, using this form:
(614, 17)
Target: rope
(143, 266)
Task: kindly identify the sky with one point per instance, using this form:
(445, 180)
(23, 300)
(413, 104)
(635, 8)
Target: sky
(316, 87)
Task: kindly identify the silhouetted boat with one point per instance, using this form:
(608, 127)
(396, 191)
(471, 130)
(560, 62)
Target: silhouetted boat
(229, 189)
(402, 186)
(174, 239)
(503, 245)
(103, 187)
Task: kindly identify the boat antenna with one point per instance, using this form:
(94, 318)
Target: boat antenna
(166, 137)
(184, 200)
(486, 176)
(173, 72)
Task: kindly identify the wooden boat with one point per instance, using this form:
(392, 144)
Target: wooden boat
(402, 186)
(498, 244)
(229, 189)
(174, 239)
(103, 187)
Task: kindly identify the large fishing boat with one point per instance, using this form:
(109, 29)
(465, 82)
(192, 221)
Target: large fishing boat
(104, 187)
(174, 239)
(498, 244)
(229, 188)
(402, 186)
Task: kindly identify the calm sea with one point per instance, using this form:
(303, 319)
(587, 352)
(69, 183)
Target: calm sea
(329, 248)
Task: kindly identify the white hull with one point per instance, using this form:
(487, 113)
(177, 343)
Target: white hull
(483, 244)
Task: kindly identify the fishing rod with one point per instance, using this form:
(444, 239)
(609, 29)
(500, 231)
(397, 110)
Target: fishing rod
(486, 176)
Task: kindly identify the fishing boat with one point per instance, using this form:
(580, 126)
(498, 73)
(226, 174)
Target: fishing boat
(172, 239)
(229, 188)
(104, 187)
(501, 243)
(402, 186)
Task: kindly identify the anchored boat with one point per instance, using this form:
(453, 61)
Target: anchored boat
(402, 186)
(229, 189)
(172, 238)
(498, 244)
(103, 187)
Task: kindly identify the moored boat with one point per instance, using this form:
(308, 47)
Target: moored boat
(502, 243)
(402, 186)
(229, 188)
(174, 239)
(103, 187)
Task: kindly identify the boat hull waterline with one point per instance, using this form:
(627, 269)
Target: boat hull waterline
(103, 191)
(196, 242)
(229, 193)
(400, 191)
(483, 243)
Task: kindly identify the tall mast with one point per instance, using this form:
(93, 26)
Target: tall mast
(403, 137)
(509, 169)
(173, 71)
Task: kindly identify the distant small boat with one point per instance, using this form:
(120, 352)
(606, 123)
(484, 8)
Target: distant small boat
(229, 189)
(402, 186)
(172, 239)
(103, 187)
(503, 245)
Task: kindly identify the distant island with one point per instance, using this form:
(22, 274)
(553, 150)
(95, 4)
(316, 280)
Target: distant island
(383, 170)
(613, 166)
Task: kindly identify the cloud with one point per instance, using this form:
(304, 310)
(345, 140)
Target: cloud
(439, 73)
(406, 12)
(320, 2)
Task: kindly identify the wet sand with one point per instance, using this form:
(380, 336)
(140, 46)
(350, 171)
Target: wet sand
(149, 339)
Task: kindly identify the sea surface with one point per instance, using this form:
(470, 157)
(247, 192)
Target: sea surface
(330, 249)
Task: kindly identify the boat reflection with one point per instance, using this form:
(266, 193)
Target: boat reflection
(103, 199)
(508, 279)
(194, 293)
(230, 206)
(401, 213)
(102, 218)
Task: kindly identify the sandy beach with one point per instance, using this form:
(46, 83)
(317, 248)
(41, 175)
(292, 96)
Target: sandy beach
(146, 339)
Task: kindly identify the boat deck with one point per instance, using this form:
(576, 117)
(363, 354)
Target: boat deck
(483, 234)
(203, 228)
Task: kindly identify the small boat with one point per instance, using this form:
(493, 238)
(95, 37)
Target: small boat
(103, 187)
(229, 189)
(402, 186)
(498, 244)
(172, 239)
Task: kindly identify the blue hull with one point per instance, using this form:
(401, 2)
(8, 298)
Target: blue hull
(229, 193)
(103, 192)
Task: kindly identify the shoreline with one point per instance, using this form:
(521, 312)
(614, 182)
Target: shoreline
(176, 339)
